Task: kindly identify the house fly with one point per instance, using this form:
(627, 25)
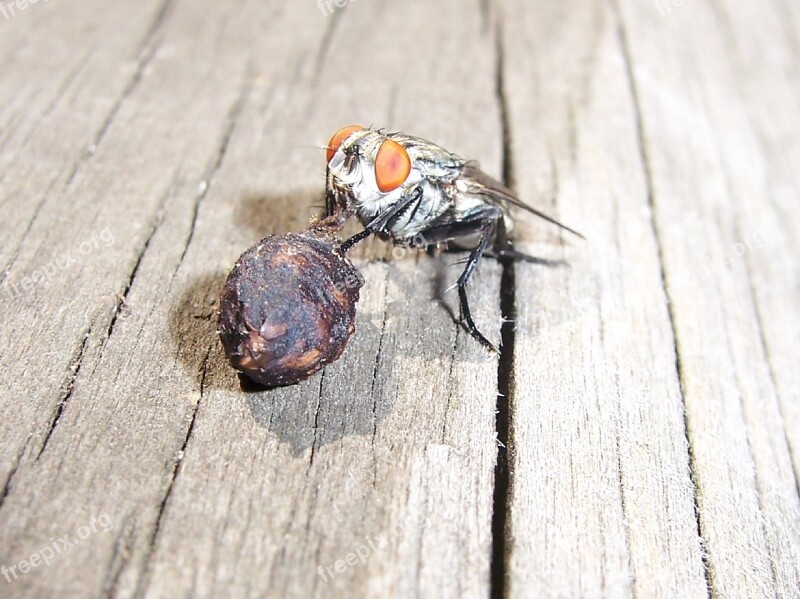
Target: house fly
(411, 191)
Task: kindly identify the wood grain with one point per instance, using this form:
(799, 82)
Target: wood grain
(602, 501)
(638, 435)
(715, 242)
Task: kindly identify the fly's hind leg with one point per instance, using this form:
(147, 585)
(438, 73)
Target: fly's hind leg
(515, 256)
(484, 223)
(503, 250)
(487, 232)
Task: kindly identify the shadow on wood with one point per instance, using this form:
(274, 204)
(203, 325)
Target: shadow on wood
(296, 210)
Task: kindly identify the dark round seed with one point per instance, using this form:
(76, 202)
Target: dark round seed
(288, 307)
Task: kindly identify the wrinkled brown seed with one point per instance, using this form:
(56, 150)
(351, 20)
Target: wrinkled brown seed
(288, 306)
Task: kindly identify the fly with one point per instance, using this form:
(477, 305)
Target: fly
(409, 190)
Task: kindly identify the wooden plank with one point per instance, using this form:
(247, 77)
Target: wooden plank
(103, 432)
(395, 442)
(726, 234)
(398, 437)
(601, 500)
(652, 388)
(770, 169)
(55, 106)
(57, 98)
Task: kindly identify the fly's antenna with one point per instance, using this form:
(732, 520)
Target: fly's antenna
(314, 147)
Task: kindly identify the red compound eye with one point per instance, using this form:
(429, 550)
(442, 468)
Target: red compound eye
(392, 166)
(339, 137)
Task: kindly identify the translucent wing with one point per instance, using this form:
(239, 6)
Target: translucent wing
(479, 183)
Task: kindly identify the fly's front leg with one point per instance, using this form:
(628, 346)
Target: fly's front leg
(335, 201)
(385, 220)
(330, 200)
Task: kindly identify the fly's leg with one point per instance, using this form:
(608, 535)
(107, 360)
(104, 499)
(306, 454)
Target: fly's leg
(488, 229)
(330, 200)
(360, 236)
(385, 220)
(488, 223)
(335, 201)
(503, 250)
(515, 256)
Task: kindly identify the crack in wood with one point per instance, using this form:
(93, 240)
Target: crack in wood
(230, 126)
(120, 557)
(68, 387)
(23, 239)
(146, 569)
(756, 484)
(325, 44)
(648, 175)
(146, 52)
(485, 11)
(129, 284)
(316, 423)
(498, 588)
(63, 86)
(765, 353)
(62, 90)
(375, 372)
(11, 473)
(624, 502)
(453, 350)
(772, 377)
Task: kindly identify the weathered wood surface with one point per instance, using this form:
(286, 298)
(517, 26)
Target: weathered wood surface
(644, 411)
